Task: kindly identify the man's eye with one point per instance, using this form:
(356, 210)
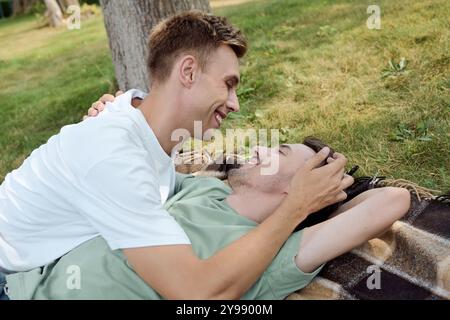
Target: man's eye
(279, 151)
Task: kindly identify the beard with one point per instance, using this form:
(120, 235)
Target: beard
(249, 179)
(220, 171)
(237, 177)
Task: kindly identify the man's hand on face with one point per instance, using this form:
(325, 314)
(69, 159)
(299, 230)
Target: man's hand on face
(99, 105)
(314, 187)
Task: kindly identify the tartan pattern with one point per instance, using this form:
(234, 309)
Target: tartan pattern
(413, 258)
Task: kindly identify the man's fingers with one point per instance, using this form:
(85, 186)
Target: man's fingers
(340, 173)
(341, 196)
(346, 182)
(334, 167)
(337, 164)
(97, 105)
(339, 157)
(92, 112)
(118, 93)
(318, 158)
(100, 107)
(107, 98)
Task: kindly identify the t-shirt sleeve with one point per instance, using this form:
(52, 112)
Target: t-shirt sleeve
(283, 276)
(180, 178)
(122, 201)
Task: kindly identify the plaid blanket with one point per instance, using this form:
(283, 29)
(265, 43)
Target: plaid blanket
(409, 261)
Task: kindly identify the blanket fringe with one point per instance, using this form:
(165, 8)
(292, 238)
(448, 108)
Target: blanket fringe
(419, 191)
(205, 157)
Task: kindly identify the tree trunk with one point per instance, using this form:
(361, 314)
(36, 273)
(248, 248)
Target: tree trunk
(72, 3)
(17, 7)
(64, 4)
(128, 24)
(22, 6)
(54, 13)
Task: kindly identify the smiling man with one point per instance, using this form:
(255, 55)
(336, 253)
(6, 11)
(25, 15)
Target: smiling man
(110, 176)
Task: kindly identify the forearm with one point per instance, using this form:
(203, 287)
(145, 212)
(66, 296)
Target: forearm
(364, 221)
(176, 272)
(357, 200)
(236, 268)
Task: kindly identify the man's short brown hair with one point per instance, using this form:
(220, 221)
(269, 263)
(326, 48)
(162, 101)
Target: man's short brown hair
(193, 32)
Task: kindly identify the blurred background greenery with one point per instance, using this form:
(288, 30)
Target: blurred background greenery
(382, 97)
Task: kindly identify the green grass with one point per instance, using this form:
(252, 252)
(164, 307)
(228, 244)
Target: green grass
(313, 68)
(48, 78)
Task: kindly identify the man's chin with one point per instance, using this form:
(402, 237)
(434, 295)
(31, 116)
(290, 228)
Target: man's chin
(235, 170)
(233, 166)
(247, 165)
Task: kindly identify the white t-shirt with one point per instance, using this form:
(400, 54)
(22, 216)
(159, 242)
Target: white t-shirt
(104, 176)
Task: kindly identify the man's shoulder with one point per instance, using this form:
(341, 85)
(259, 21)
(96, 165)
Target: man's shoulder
(109, 121)
(190, 189)
(94, 140)
(201, 185)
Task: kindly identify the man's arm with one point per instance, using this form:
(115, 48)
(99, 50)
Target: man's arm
(367, 216)
(285, 274)
(177, 273)
(356, 200)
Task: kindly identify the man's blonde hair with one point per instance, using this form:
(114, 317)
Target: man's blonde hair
(193, 32)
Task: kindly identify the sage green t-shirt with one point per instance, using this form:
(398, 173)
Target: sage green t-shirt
(93, 271)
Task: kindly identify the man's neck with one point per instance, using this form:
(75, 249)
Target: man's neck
(159, 109)
(253, 204)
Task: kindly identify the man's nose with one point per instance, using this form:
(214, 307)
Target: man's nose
(233, 102)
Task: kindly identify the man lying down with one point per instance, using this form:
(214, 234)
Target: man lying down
(213, 215)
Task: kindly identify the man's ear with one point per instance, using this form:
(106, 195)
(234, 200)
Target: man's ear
(188, 70)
